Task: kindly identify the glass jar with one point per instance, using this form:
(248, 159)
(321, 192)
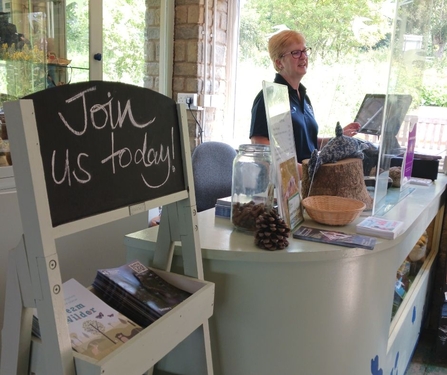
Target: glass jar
(251, 186)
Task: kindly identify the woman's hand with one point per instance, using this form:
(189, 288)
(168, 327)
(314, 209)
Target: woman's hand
(351, 129)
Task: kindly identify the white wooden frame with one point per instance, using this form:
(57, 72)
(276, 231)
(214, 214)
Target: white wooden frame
(34, 279)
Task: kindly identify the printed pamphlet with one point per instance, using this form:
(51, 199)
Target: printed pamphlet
(377, 226)
(334, 237)
(137, 292)
(96, 329)
(282, 147)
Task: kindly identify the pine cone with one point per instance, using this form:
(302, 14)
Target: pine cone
(271, 231)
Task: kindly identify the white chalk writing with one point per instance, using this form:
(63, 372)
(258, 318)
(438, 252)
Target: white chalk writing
(69, 168)
(106, 110)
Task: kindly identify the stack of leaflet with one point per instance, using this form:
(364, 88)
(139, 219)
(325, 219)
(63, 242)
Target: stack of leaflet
(223, 207)
(380, 227)
(137, 292)
(96, 329)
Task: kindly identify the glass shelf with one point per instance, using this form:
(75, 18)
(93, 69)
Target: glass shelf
(34, 37)
(21, 78)
(411, 267)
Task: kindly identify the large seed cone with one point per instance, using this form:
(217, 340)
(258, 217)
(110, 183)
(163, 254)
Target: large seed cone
(271, 231)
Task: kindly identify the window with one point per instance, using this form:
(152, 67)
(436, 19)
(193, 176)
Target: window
(352, 47)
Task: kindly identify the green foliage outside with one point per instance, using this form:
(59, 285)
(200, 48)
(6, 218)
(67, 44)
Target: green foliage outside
(352, 44)
(434, 97)
(123, 38)
(350, 33)
(77, 32)
(327, 25)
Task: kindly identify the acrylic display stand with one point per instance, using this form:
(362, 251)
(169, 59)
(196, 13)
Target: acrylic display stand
(84, 155)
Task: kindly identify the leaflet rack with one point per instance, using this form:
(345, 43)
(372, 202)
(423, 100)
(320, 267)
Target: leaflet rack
(84, 155)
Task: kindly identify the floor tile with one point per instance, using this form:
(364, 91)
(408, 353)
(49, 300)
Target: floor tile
(432, 370)
(424, 360)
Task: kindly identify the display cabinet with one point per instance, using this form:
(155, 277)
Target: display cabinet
(47, 43)
(50, 43)
(43, 44)
(408, 272)
(39, 46)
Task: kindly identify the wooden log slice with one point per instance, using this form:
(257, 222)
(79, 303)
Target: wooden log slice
(343, 178)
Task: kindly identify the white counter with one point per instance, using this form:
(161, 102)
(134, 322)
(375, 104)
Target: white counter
(312, 308)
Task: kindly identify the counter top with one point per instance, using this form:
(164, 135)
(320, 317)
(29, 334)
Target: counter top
(219, 240)
(284, 311)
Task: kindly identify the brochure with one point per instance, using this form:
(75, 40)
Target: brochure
(377, 226)
(284, 160)
(96, 329)
(138, 292)
(334, 237)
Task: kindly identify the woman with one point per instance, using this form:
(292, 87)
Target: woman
(289, 55)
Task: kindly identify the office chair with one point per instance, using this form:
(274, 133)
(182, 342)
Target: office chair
(212, 165)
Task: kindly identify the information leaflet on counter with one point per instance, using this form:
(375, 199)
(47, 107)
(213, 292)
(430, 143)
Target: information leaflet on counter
(380, 227)
(333, 237)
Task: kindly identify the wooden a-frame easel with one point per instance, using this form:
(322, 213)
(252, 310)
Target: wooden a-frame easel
(34, 279)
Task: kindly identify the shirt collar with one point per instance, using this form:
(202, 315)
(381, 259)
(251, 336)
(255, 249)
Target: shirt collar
(280, 79)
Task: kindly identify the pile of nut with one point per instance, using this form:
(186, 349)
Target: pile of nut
(244, 214)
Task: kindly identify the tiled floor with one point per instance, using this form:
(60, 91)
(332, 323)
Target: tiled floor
(424, 360)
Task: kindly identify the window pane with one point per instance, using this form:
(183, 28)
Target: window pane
(77, 15)
(124, 41)
(350, 58)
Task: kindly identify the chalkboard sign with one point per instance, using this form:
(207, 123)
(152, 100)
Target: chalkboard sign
(106, 145)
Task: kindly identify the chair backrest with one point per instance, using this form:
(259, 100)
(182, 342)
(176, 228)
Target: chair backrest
(212, 165)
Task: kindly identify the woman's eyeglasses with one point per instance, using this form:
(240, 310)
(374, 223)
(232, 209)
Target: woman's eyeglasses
(297, 54)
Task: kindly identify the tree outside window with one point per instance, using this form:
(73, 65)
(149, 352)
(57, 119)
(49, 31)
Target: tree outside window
(352, 44)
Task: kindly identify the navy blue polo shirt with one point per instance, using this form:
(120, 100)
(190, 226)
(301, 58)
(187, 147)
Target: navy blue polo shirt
(305, 127)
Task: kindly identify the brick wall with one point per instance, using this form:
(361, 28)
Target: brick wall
(199, 60)
(152, 46)
(193, 72)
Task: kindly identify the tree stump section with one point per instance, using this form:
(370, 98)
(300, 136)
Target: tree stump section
(343, 179)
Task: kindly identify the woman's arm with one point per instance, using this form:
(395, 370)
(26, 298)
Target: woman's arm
(349, 130)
